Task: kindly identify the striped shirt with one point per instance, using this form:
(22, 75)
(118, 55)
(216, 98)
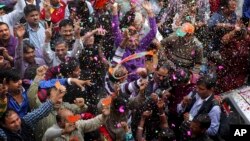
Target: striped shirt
(126, 88)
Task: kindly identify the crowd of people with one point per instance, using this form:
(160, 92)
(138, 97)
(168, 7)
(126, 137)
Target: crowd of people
(120, 70)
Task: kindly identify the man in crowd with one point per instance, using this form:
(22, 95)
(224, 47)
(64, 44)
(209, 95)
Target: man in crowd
(16, 128)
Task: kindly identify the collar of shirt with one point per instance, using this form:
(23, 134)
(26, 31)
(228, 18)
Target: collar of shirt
(22, 90)
(31, 29)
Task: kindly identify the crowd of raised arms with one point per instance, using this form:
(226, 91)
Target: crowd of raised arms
(120, 70)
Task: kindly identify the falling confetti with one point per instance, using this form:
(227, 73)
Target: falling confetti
(220, 67)
(118, 125)
(57, 84)
(121, 109)
(73, 119)
(174, 77)
(173, 125)
(106, 101)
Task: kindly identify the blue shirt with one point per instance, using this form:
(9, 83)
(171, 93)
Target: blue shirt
(214, 114)
(37, 38)
(51, 83)
(246, 9)
(21, 109)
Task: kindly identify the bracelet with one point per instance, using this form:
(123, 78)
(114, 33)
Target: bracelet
(140, 128)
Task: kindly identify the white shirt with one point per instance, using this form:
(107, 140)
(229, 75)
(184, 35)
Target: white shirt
(13, 17)
(52, 59)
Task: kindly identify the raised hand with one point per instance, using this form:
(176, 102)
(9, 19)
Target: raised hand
(48, 32)
(57, 94)
(126, 34)
(124, 125)
(77, 28)
(19, 31)
(46, 5)
(146, 114)
(115, 9)
(101, 31)
(40, 71)
(81, 83)
(147, 6)
(5, 54)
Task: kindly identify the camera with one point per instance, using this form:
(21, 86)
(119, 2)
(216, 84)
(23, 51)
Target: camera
(160, 91)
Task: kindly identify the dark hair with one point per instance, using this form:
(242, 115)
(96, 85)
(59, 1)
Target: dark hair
(12, 75)
(30, 72)
(68, 67)
(59, 117)
(163, 65)
(204, 121)
(118, 72)
(60, 40)
(3, 23)
(225, 3)
(65, 22)
(85, 31)
(6, 114)
(166, 134)
(27, 45)
(48, 91)
(29, 8)
(128, 19)
(207, 81)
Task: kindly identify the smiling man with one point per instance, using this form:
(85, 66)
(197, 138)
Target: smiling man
(7, 42)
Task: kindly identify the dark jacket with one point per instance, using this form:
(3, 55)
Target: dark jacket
(26, 134)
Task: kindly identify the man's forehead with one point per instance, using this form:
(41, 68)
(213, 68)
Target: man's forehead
(163, 70)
